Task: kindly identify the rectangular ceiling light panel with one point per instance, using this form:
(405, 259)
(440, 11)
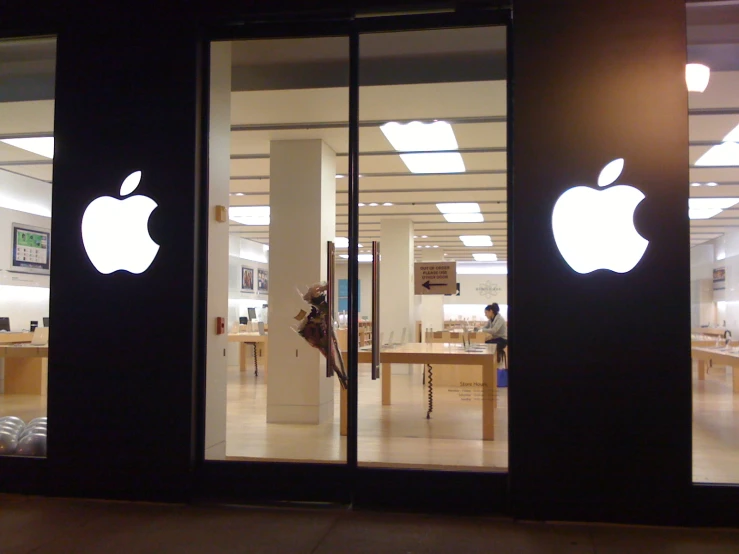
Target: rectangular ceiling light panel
(249, 215)
(464, 218)
(476, 240)
(706, 208)
(43, 146)
(459, 208)
(485, 257)
(425, 137)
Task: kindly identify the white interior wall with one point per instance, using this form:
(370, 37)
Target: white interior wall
(23, 296)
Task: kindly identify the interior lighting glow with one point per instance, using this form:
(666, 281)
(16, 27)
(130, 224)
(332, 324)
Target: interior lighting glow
(43, 146)
(485, 257)
(424, 236)
(476, 240)
(249, 215)
(697, 76)
(695, 184)
(425, 137)
(343, 242)
(711, 184)
(459, 208)
(373, 204)
(706, 208)
(724, 154)
(361, 204)
(464, 218)
(388, 204)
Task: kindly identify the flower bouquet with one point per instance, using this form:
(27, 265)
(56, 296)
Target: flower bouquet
(317, 329)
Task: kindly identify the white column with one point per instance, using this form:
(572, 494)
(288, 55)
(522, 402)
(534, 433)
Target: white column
(397, 303)
(432, 305)
(219, 169)
(303, 219)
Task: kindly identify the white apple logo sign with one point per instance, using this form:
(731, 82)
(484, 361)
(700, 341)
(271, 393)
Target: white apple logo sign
(595, 229)
(115, 232)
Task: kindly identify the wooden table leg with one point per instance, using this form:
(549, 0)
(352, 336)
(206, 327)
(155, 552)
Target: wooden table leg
(701, 370)
(489, 396)
(343, 414)
(386, 384)
(242, 356)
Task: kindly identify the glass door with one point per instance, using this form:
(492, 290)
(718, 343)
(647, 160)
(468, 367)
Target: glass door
(432, 192)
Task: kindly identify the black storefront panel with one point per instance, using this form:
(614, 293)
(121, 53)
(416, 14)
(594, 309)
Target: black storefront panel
(600, 369)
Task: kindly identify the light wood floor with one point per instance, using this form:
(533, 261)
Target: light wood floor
(399, 435)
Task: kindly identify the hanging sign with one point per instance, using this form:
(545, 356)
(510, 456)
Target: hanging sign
(435, 278)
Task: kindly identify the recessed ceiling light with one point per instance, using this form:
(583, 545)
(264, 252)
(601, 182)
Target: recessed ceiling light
(361, 204)
(711, 184)
(340, 176)
(415, 236)
(345, 256)
(419, 246)
(459, 208)
(485, 257)
(343, 242)
(425, 137)
(43, 146)
(239, 194)
(695, 184)
(476, 240)
(436, 246)
(428, 246)
(724, 154)
(424, 236)
(373, 204)
(364, 257)
(697, 76)
(249, 215)
(388, 204)
(464, 218)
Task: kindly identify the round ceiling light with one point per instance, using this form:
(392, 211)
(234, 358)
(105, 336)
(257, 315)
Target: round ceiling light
(697, 76)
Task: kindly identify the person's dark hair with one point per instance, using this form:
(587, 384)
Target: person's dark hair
(488, 308)
(494, 306)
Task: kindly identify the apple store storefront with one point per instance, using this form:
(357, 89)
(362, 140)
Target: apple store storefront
(391, 258)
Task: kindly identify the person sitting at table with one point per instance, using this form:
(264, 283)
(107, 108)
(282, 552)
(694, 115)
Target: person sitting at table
(496, 329)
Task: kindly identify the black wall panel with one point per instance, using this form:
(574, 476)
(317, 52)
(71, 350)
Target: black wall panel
(600, 405)
(123, 355)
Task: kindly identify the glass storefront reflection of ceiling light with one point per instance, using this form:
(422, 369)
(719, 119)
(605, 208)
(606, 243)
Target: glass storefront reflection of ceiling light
(697, 76)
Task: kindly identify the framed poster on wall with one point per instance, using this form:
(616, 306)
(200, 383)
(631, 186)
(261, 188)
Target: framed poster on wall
(719, 278)
(247, 279)
(30, 249)
(262, 280)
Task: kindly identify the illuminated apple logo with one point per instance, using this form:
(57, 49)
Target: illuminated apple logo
(115, 232)
(594, 229)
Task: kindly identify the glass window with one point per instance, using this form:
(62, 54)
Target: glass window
(278, 158)
(433, 107)
(713, 81)
(26, 157)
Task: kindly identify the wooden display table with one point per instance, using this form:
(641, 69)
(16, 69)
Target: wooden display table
(453, 375)
(714, 331)
(431, 354)
(717, 356)
(26, 369)
(259, 342)
(15, 338)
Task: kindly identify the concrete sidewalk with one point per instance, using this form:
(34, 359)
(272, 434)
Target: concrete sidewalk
(45, 525)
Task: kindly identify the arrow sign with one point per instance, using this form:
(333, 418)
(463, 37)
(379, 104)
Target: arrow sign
(428, 284)
(435, 278)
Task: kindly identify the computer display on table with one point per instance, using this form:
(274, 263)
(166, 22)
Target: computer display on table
(46, 322)
(31, 249)
(5, 324)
